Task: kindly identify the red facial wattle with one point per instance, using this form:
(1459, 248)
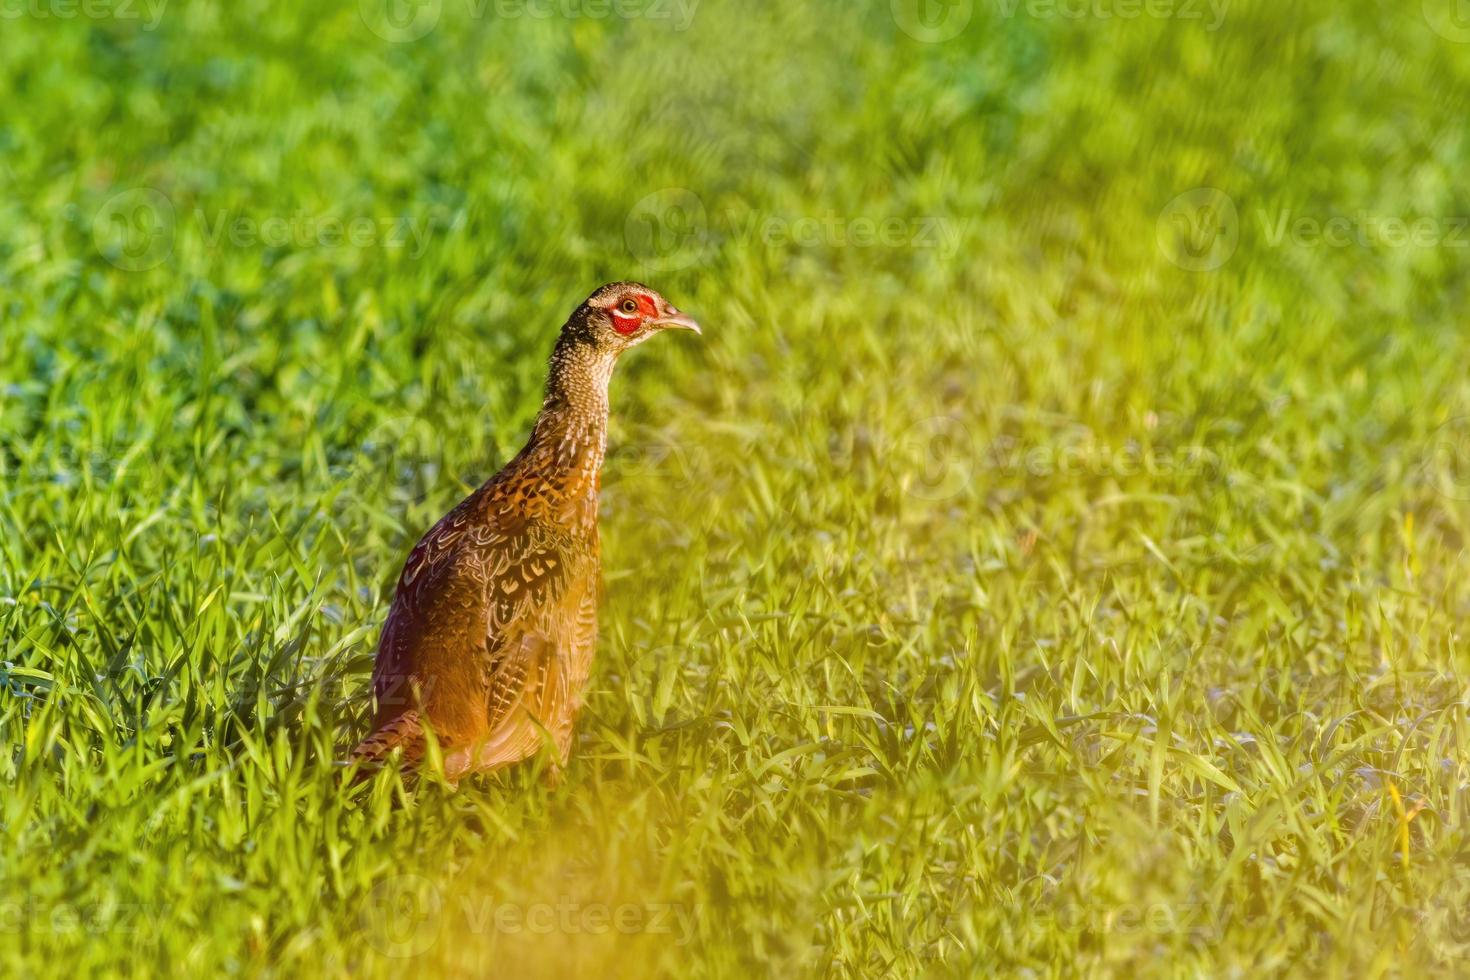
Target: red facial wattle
(628, 323)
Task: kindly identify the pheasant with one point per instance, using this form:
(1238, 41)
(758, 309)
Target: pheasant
(490, 638)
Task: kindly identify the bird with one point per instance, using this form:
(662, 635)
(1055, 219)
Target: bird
(490, 637)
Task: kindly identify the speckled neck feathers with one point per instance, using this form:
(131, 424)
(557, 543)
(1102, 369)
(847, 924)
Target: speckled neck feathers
(569, 440)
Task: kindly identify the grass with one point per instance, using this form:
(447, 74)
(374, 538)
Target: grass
(1033, 571)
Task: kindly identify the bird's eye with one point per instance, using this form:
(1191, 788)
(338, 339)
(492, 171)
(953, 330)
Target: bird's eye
(630, 306)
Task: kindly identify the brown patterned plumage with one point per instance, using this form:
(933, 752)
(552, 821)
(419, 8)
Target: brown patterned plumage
(490, 638)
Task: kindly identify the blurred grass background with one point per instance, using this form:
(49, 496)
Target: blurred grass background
(1050, 561)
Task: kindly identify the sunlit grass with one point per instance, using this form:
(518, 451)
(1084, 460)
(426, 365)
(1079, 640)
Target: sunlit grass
(985, 592)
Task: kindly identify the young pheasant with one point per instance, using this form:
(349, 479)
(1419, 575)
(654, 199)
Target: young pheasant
(490, 638)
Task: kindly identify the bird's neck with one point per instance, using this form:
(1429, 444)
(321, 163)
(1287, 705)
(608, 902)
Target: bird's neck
(569, 440)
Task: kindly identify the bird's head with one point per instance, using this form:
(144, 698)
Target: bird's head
(621, 315)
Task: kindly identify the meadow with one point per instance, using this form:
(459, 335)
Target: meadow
(1051, 561)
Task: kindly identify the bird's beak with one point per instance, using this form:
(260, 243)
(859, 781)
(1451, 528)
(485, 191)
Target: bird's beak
(678, 321)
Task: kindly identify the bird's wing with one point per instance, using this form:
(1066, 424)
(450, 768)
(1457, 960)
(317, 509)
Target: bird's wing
(576, 661)
(512, 664)
(481, 608)
(403, 731)
(431, 589)
(432, 656)
(564, 677)
(525, 628)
